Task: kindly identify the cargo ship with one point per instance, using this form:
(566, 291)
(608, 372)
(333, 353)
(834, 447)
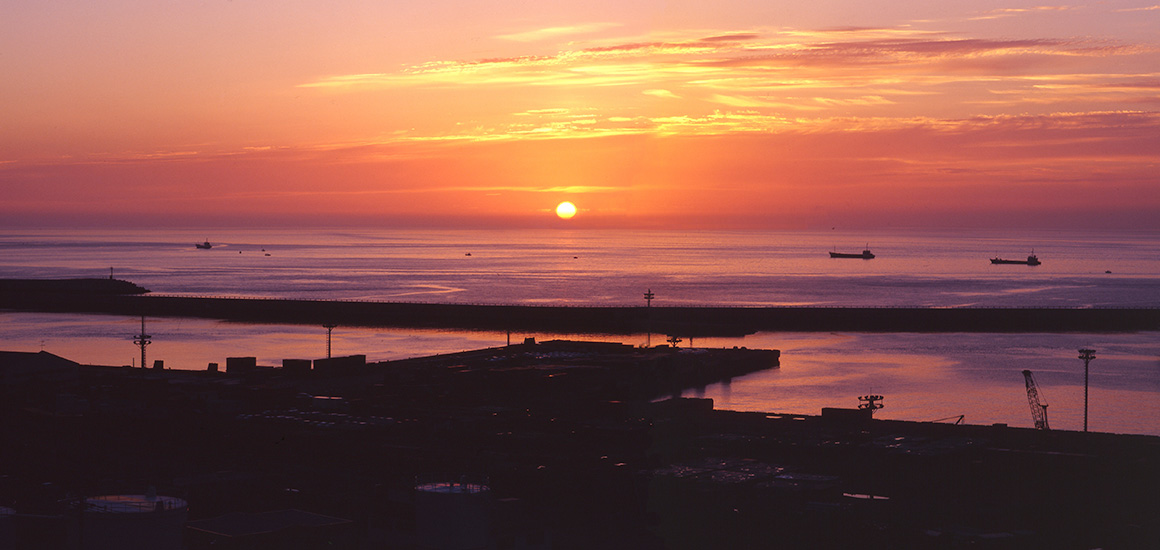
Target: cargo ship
(1031, 260)
(865, 255)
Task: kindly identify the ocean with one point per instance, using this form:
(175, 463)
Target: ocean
(922, 376)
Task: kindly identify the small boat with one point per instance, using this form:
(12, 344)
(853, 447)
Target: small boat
(204, 246)
(865, 255)
(1031, 260)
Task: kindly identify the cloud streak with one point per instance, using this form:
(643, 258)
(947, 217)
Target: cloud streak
(557, 32)
(1145, 8)
(1014, 12)
(865, 72)
(695, 60)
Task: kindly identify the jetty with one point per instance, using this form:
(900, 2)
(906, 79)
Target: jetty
(114, 297)
(72, 287)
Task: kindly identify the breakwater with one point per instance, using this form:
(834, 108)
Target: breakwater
(69, 286)
(679, 321)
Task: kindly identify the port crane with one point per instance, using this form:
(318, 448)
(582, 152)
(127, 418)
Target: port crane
(1038, 408)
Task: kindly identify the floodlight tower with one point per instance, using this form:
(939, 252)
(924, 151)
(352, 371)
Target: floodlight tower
(142, 340)
(1087, 355)
(648, 298)
(329, 328)
(870, 402)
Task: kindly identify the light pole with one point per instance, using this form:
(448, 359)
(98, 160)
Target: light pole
(648, 298)
(329, 329)
(1087, 355)
(142, 340)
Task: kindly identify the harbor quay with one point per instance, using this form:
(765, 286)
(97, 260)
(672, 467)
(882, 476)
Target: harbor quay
(114, 297)
(556, 444)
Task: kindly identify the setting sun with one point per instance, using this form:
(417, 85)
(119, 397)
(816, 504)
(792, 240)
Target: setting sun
(565, 210)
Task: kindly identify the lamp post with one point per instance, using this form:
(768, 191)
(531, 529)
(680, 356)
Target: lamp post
(142, 340)
(1087, 355)
(648, 298)
(329, 329)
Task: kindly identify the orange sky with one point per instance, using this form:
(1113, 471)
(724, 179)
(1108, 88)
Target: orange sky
(729, 114)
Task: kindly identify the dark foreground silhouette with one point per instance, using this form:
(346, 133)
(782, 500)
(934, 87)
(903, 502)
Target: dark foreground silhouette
(558, 445)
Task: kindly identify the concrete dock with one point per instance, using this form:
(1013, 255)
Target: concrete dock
(679, 321)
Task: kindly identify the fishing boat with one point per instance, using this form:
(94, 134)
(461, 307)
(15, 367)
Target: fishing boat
(1031, 260)
(865, 255)
(204, 246)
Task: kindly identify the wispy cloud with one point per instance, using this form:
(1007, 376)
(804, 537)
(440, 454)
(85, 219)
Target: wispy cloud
(698, 60)
(860, 33)
(540, 112)
(748, 102)
(696, 64)
(864, 72)
(1145, 8)
(557, 32)
(733, 37)
(864, 100)
(1012, 12)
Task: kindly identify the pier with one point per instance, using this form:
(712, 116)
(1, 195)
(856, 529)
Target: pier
(686, 321)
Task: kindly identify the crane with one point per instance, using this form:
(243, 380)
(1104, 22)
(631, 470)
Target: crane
(1038, 408)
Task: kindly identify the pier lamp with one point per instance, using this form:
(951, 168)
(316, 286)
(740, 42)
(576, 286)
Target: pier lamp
(142, 340)
(648, 298)
(1087, 355)
(329, 329)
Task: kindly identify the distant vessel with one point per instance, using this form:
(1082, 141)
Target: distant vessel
(1031, 260)
(865, 255)
(204, 246)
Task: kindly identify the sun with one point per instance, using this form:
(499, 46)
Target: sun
(565, 210)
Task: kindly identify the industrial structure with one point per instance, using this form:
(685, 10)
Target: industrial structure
(452, 514)
(561, 444)
(870, 402)
(329, 329)
(142, 340)
(131, 521)
(1087, 355)
(1038, 407)
(7, 536)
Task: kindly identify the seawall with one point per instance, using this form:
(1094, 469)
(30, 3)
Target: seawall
(679, 321)
(69, 286)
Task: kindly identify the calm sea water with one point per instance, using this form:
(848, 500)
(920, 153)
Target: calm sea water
(608, 267)
(923, 376)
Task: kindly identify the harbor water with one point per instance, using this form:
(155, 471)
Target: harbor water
(923, 376)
